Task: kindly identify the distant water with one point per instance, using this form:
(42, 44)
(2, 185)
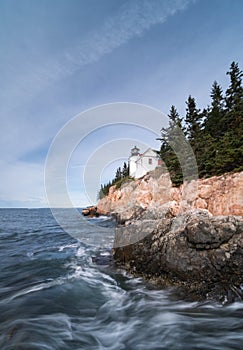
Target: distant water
(53, 296)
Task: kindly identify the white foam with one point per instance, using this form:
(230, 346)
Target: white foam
(38, 287)
(67, 246)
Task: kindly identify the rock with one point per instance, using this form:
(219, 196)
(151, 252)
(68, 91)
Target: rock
(222, 195)
(91, 212)
(102, 260)
(196, 251)
(189, 237)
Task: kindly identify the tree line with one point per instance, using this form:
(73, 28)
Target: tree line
(120, 176)
(214, 133)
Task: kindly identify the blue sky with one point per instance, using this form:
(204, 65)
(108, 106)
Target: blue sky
(59, 58)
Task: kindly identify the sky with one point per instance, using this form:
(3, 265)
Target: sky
(61, 58)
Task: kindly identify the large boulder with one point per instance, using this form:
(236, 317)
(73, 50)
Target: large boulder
(200, 253)
(90, 212)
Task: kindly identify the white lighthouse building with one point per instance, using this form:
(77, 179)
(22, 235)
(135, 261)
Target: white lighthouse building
(140, 164)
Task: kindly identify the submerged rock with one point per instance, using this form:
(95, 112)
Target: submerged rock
(102, 260)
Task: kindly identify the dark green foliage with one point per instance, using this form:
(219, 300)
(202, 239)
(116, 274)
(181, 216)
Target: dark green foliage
(214, 116)
(234, 93)
(167, 151)
(118, 174)
(215, 134)
(192, 120)
(125, 170)
(121, 176)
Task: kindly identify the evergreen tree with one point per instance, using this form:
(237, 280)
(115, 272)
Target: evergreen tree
(215, 135)
(206, 161)
(193, 121)
(174, 117)
(118, 174)
(213, 130)
(234, 94)
(217, 97)
(169, 148)
(117, 181)
(125, 170)
(230, 148)
(215, 116)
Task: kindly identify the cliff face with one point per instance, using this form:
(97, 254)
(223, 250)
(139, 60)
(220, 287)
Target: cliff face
(199, 254)
(154, 193)
(189, 237)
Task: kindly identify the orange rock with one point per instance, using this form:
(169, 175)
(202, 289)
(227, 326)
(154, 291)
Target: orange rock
(222, 195)
(200, 204)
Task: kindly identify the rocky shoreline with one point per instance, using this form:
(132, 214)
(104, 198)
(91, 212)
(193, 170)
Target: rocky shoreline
(196, 252)
(176, 243)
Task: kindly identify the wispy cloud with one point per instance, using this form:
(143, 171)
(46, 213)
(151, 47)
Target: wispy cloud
(131, 20)
(27, 76)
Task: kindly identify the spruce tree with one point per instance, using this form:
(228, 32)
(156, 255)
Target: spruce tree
(193, 121)
(212, 131)
(168, 152)
(215, 118)
(215, 134)
(118, 174)
(125, 170)
(234, 93)
(230, 148)
(174, 118)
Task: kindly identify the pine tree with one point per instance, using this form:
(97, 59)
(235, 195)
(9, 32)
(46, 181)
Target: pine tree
(216, 112)
(118, 174)
(230, 148)
(174, 117)
(234, 94)
(125, 170)
(169, 148)
(212, 131)
(215, 118)
(215, 134)
(193, 121)
(217, 97)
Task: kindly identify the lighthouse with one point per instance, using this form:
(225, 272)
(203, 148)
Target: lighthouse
(141, 164)
(132, 161)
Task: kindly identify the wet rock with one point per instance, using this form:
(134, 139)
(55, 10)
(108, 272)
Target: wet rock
(102, 260)
(189, 237)
(196, 251)
(90, 212)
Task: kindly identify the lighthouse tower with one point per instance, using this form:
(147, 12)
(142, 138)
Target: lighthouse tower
(132, 161)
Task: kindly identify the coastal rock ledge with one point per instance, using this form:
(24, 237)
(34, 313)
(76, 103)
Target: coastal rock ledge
(199, 253)
(196, 250)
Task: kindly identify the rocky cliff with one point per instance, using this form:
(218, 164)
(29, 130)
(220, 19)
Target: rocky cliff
(190, 237)
(154, 193)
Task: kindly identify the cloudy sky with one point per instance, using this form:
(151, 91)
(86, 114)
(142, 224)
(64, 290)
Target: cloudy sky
(60, 58)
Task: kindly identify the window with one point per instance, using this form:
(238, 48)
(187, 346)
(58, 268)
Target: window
(150, 160)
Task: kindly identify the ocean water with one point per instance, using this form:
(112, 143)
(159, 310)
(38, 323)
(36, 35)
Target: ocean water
(53, 295)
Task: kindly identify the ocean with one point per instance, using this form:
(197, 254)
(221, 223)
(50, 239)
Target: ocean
(57, 292)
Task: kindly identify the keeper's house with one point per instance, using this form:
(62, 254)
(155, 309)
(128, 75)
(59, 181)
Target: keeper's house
(141, 163)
